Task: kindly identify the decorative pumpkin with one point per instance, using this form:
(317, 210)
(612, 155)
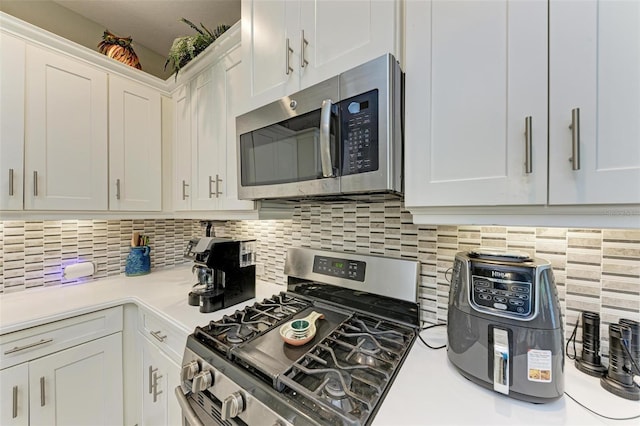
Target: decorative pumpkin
(119, 48)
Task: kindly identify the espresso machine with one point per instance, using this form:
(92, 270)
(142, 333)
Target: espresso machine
(225, 271)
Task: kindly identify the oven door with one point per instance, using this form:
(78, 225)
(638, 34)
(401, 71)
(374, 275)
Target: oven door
(288, 149)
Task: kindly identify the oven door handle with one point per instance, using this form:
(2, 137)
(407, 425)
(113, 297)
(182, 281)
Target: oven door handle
(325, 139)
(187, 411)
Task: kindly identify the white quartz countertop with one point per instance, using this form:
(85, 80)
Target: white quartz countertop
(427, 390)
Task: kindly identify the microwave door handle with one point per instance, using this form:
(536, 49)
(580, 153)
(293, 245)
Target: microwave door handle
(325, 139)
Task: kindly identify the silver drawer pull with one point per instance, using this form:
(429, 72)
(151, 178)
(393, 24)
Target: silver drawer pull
(35, 183)
(303, 43)
(151, 374)
(10, 182)
(528, 144)
(575, 139)
(158, 335)
(184, 192)
(42, 396)
(29, 346)
(14, 414)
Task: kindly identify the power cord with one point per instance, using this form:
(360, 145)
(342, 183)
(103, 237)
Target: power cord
(428, 327)
(601, 415)
(572, 338)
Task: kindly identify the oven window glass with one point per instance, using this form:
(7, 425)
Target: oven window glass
(285, 152)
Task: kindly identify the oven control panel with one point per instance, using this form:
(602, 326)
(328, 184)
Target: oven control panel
(359, 133)
(510, 292)
(341, 268)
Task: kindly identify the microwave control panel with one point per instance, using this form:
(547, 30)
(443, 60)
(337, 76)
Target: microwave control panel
(497, 290)
(341, 268)
(359, 133)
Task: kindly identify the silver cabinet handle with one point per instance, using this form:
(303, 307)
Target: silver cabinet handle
(303, 44)
(528, 144)
(10, 182)
(325, 139)
(156, 392)
(117, 189)
(288, 50)
(14, 413)
(211, 193)
(29, 346)
(158, 335)
(35, 183)
(151, 371)
(42, 396)
(184, 192)
(575, 139)
(187, 411)
(218, 182)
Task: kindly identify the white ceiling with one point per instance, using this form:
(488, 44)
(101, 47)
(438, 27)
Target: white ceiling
(155, 23)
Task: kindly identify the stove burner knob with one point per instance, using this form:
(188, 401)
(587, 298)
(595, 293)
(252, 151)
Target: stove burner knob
(189, 371)
(232, 406)
(202, 381)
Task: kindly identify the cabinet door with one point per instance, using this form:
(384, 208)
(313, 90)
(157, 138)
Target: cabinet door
(160, 378)
(271, 48)
(228, 92)
(475, 71)
(182, 148)
(78, 386)
(12, 57)
(135, 146)
(594, 68)
(341, 35)
(14, 395)
(66, 133)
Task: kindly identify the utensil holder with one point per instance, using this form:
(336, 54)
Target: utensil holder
(138, 261)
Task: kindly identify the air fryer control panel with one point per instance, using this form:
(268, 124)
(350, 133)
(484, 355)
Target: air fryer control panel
(508, 291)
(359, 133)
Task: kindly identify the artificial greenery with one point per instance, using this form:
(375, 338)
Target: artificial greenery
(184, 49)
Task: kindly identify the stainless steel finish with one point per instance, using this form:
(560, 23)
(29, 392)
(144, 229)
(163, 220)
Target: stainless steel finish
(303, 43)
(28, 346)
(383, 74)
(232, 406)
(184, 192)
(156, 392)
(117, 189)
(151, 371)
(187, 411)
(501, 361)
(189, 370)
(211, 194)
(397, 278)
(287, 52)
(528, 145)
(218, 182)
(42, 392)
(202, 381)
(10, 182)
(35, 183)
(14, 404)
(158, 335)
(325, 139)
(575, 139)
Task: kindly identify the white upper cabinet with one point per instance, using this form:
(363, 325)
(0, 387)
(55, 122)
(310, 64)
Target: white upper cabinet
(12, 58)
(476, 103)
(182, 147)
(291, 44)
(135, 146)
(594, 72)
(65, 133)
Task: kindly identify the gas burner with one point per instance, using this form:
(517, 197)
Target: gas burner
(334, 392)
(365, 352)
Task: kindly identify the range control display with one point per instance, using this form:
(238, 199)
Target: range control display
(341, 268)
(508, 292)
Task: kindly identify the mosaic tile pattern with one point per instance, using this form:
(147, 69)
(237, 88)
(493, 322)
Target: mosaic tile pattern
(595, 270)
(34, 254)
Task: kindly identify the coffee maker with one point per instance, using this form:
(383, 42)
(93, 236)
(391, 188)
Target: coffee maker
(225, 271)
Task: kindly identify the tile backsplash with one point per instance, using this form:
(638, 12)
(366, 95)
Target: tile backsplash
(595, 269)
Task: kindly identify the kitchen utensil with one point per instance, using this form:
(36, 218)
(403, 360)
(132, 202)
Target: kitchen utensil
(301, 330)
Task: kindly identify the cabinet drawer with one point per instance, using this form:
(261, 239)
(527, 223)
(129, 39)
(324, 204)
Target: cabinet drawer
(169, 338)
(31, 343)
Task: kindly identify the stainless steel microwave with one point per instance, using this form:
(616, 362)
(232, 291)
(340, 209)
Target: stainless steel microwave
(341, 137)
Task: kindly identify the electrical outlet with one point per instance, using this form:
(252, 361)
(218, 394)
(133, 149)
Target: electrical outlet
(259, 269)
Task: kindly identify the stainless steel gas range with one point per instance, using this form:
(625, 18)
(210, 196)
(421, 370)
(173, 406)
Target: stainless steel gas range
(239, 370)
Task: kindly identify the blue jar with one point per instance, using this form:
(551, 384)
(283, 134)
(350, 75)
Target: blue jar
(138, 261)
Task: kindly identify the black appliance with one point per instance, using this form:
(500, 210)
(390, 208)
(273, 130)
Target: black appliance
(225, 270)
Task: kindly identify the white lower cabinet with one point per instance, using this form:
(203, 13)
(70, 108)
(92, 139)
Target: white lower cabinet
(81, 385)
(160, 376)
